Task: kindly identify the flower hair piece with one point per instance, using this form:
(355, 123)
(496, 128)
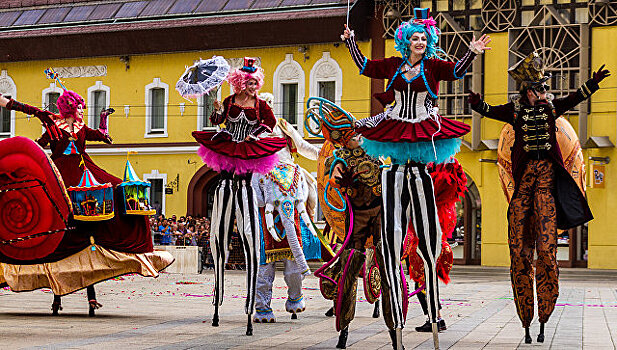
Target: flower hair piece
(240, 76)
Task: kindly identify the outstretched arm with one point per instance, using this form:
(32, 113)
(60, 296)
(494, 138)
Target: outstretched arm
(97, 135)
(450, 71)
(44, 116)
(105, 113)
(584, 92)
(504, 113)
(378, 69)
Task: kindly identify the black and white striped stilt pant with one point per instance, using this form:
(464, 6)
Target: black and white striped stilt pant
(407, 193)
(235, 196)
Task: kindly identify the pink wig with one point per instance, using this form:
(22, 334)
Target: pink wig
(238, 79)
(68, 102)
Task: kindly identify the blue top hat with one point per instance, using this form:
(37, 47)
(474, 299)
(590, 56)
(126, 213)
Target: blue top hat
(421, 13)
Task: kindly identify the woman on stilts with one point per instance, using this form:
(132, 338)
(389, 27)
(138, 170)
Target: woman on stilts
(237, 152)
(411, 133)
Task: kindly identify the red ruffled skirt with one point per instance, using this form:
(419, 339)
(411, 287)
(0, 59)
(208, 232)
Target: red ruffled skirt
(223, 145)
(223, 154)
(393, 130)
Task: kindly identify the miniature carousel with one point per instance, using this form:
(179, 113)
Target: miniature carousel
(92, 201)
(135, 193)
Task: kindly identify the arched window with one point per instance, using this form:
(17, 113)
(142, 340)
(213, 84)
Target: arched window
(7, 118)
(99, 97)
(50, 96)
(205, 108)
(326, 79)
(157, 99)
(289, 92)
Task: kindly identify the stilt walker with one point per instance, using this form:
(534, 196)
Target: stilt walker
(411, 133)
(546, 197)
(352, 178)
(237, 152)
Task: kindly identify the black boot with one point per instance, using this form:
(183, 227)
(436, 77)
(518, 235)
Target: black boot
(249, 325)
(527, 336)
(56, 305)
(428, 326)
(93, 305)
(376, 309)
(330, 312)
(541, 335)
(392, 333)
(342, 339)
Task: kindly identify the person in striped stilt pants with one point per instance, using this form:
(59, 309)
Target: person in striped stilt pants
(237, 152)
(412, 134)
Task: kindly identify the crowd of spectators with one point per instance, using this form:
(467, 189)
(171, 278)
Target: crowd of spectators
(195, 231)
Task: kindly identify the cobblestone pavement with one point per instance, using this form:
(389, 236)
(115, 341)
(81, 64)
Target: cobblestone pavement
(175, 310)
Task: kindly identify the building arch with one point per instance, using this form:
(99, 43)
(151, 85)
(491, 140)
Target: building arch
(200, 192)
(47, 101)
(326, 69)
(150, 89)
(93, 113)
(289, 72)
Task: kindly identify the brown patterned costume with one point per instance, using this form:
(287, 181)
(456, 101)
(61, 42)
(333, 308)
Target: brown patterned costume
(364, 193)
(545, 198)
(534, 204)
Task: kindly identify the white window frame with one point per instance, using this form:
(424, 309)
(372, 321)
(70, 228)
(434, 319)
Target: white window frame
(289, 72)
(326, 69)
(200, 112)
(8, 87)
(156, 83)
(98, 86)
(53, 88)
(154, 174)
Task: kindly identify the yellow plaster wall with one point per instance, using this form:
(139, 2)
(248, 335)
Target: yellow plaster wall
(603, 201)
(494, 206)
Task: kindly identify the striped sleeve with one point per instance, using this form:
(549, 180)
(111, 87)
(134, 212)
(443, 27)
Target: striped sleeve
(377, 68)
(357, 56)
(461, 67)
(449, 71)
